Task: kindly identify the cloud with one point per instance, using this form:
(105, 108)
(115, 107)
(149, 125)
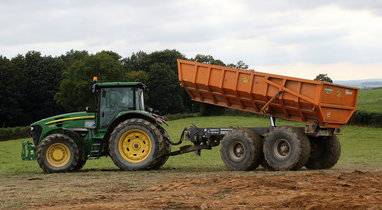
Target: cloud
(261, 33)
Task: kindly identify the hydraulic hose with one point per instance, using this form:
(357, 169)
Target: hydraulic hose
(180, 140)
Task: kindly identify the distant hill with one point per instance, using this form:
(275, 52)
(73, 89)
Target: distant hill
(363, 84)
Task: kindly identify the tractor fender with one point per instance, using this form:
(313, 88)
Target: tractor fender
(68, 132)
(129, 115)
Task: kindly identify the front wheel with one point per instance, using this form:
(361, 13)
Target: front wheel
(137, 144)
(57, 153)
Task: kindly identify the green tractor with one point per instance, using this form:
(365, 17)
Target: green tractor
(120, 128)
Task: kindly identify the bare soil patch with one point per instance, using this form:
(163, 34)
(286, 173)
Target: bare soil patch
(197, 190)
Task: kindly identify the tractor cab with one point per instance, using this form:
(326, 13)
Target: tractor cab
(117, 97)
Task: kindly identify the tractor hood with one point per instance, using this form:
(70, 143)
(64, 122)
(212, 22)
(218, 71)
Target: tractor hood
(75, 119)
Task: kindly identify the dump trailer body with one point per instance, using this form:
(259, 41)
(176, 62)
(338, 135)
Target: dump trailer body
(308, 101)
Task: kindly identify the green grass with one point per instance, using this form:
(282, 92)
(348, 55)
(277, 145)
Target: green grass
(361, 148)
(370, 100)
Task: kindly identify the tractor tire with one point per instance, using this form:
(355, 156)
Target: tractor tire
(286, 148)
(326, 151)
(83, 157)
(136, 144)
(164, 149)
(57, 153)
(241, 150)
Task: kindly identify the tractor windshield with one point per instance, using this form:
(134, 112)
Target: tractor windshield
(117, 99)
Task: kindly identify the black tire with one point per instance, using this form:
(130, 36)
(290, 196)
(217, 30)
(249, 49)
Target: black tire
(57, 153)
(135, 144)
(286, 148)
(83, 157)
(241, 150)
(164, 149)
(265, 164)
(326, 152)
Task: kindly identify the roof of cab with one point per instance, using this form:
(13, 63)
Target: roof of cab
(120, 84)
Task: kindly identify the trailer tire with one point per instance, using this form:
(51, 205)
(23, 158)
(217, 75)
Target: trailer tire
(265, 164)
(57, 153)
(241, 150)
(326, 151)
(135, 145)
(286, 148)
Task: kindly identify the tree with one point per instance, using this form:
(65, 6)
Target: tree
(164, 92)
(136, 62)
(39, 78)
(142, 61)
(238, 65)
(137, 76)
(323, 78)
(10, 94)
(72, 56)
(166, 57)
(75, 88)
(208, 59)
(112, 54)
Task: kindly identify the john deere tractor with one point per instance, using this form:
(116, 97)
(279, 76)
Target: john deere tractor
(119, 128)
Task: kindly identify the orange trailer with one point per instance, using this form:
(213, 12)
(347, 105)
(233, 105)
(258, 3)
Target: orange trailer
(323, 107)
(308, 101)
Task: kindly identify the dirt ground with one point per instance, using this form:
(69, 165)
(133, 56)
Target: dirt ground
(331, 189)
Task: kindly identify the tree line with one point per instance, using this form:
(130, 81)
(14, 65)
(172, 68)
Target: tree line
(33, 86)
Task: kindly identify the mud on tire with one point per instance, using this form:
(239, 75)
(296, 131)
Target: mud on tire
(286, 148)
(57, 153)
(82, 157)
(137, 144)
(326, 151)
(241, 150)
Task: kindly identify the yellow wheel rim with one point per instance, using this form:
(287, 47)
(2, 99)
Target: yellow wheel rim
(134, 145)
(58, 154)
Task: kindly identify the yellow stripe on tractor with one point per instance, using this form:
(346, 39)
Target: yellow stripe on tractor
(71, 118)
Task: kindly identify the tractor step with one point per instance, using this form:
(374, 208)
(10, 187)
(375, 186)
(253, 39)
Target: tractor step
(95, 148)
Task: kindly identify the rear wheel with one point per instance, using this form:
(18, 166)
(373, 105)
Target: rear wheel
(135, 144)
(286, 148)
(57, 153)
(326, 151)
(82, 157)
(164, 149)
(241, 150)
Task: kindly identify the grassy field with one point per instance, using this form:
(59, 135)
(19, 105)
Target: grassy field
(370, 100)
(361, 148)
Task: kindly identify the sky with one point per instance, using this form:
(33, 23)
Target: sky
(299, 38)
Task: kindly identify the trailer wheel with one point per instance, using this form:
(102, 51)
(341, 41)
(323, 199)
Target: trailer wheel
(265, 164)
(286, 148)
(57, 153)
(135, 145)
(326, 151)
(241, 150)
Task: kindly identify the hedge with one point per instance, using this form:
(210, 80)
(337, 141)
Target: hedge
(363, 118)
(14, 133)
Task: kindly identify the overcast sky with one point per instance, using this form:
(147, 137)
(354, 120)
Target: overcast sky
(297, 38)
